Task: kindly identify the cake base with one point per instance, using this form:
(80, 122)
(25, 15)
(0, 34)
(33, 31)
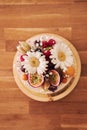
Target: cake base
(55, 95)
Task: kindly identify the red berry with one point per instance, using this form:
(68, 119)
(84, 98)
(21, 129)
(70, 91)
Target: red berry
(51, 42)
(21, 58)
(47, 53)
(44, 44)
(64, 80)
(22, 68)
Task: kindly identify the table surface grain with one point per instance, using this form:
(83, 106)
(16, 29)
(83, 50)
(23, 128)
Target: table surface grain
(19, 20)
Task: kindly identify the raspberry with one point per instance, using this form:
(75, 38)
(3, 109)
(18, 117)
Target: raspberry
(51, 42)
(45, 44)
(21, 58)
(64, 80)
(22, 68)
(47, 53)
(52, 88)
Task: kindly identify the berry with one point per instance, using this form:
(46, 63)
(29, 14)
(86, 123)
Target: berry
(52, 88)
(47, 53)
(21, 58)
(38, 49)
(64, 80)
(45, 44)
(50, 65)
(37, 41)
(51, 42)
(22, 68)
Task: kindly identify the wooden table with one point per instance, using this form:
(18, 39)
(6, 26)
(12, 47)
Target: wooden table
(19, 20)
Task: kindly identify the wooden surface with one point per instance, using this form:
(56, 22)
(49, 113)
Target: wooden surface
(20, 19)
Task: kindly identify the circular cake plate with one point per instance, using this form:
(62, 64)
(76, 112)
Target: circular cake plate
(51, 97)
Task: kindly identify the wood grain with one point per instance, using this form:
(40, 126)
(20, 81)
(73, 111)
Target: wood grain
(19, 20)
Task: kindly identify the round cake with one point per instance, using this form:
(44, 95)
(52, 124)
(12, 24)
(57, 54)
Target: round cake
(46, 67)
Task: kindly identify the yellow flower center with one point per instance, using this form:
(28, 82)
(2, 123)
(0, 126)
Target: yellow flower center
(61, 56)
(34, 62)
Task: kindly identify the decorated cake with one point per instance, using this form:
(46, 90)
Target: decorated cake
(45, 64)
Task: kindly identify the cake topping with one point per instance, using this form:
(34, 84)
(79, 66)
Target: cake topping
(25, 76)
(46, 62)
(21, 58)
(23, 47)
(61, 56)
(54, 77)
(35, 62)
(70, 71)
(35, 80)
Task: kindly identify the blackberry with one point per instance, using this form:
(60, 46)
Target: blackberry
(50, 64)
(52, 88)
(38, 49)
(37, 43)
(22, 68)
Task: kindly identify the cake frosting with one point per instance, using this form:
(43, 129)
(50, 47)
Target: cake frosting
(45, 64)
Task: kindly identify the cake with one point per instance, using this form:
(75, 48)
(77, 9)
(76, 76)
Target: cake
(45, 65)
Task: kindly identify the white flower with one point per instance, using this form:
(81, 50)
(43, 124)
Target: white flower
(34, 62)
(61, 56)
